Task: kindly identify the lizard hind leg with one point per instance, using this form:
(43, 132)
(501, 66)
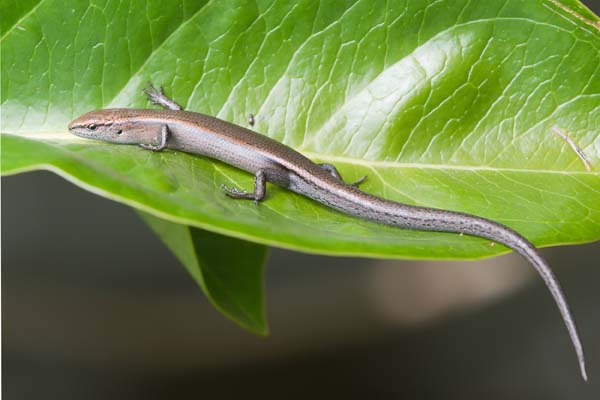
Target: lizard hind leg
(258, 195)
(336, 174)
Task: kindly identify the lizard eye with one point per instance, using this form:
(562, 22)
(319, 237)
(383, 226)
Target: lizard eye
(92, 127)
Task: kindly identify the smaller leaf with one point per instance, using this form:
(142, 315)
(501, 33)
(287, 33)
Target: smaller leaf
(229, 271)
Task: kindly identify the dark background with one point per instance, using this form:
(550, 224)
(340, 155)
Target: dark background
(94, 306)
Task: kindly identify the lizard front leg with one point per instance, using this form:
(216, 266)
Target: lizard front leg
(158, 96)
(164, 133)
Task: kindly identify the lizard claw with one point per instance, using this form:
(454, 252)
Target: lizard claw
(235, 193)
(153, 94)
(358, 182)
(150, 147)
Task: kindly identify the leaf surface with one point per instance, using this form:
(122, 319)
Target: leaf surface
(450, 104)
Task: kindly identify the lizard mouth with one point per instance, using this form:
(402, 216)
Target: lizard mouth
(80, 131)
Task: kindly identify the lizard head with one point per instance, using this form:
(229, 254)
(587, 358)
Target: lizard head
(115, 125)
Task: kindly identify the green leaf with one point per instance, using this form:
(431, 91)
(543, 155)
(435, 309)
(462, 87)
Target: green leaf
(448, 104)
(229, 271)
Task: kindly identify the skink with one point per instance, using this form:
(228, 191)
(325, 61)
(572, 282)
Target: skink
(271, 161)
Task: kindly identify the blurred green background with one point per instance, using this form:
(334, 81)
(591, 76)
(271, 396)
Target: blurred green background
(94, 306)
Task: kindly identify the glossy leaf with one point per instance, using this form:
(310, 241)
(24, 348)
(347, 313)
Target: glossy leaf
(451, 104)
(229, 271)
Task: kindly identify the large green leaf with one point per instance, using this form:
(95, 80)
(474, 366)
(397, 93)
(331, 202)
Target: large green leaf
(450, 104)
(229, 271)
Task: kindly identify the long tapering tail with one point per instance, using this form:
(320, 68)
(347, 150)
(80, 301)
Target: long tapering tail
(448, 221)
(352, 201)
(530, 253)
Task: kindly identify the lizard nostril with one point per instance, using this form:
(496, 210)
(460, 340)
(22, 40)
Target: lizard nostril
(119, 131)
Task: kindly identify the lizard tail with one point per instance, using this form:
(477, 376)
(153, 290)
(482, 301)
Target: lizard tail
(363, 205)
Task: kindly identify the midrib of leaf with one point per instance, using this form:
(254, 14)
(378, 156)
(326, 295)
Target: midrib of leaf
(68, 138)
